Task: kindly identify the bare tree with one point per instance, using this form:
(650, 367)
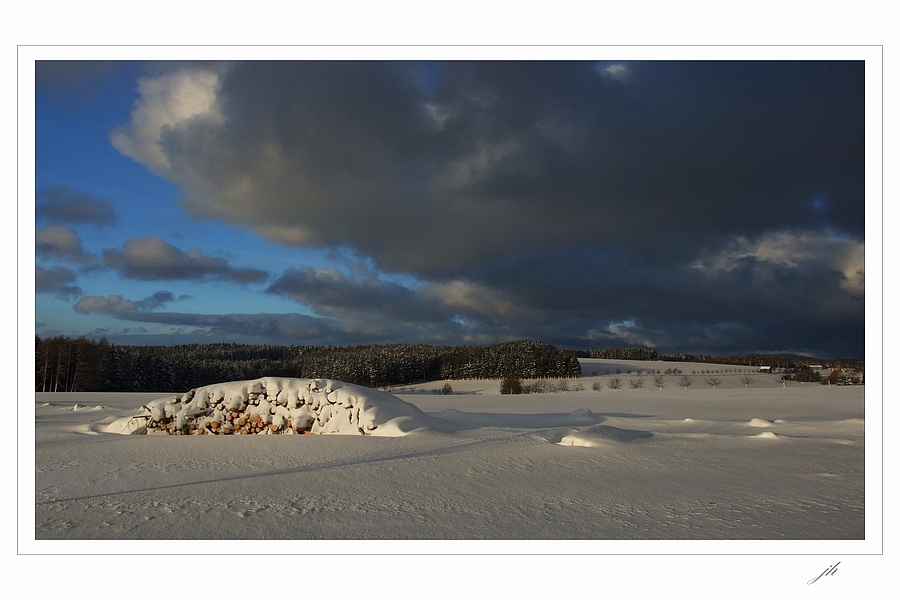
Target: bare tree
(614, 383)
(511, 385)
(636, 383)
(713, 381)
(746, 380)
(685, 382)
(659, 381)
(536, 387)
(597, 386)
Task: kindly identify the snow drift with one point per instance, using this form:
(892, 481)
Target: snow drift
(274, 405)
(601, 435)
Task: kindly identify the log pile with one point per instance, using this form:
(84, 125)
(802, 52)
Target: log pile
(266, 406)
(279, 405)
(234, 423)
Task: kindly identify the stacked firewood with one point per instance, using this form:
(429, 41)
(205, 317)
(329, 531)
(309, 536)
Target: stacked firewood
(215, 415)
(233, 423)
(265, 406)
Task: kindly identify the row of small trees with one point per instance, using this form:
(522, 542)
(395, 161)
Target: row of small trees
(511, 384)
(661, 381)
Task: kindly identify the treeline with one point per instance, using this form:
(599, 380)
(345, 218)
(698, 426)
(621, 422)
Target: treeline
(754, 360)
(766, 360)
(64, 364)
(623, 354)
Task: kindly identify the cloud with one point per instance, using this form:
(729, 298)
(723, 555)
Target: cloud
(168, 101)
(545, 199)
(616, 71)
(61, 204)
(60, 243)
(71, 75)
(149, 259)
(346, 154)
(300, 329)
(116, 304)
(288, 329)
(368, 300)
(473, 301)
(155, 300)
(57, 281)
(104, 304)
(330, 292)
(588, 299)
(804, 250)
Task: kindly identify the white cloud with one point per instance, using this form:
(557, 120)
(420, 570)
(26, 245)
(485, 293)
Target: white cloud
(468, 298)
(104, 304)
(438, 113)
(166, 101)
(479, 164)
(625, 332)
(795, 250)
(619, 72)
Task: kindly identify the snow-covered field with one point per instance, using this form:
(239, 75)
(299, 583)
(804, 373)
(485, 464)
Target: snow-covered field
(586, 471)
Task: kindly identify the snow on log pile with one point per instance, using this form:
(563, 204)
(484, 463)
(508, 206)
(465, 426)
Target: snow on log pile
(274, 405)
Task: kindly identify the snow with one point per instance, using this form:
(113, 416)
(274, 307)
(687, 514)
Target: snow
(593, 437)
(772, 469)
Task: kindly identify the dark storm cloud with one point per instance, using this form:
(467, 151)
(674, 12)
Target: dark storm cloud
(790, 273)
(332, 293)
(583, 194)
(301, 329)
(258, 328)
(499, 157)
(330, 290)
(456, 310)
(62, 204)
(71, 75)
(58, 281)
(149, 259)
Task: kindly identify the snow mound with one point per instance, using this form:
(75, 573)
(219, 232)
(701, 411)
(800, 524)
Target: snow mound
(602, 435)
(128, 426)
(769, 435)
(274, 405)
(87, 430)
(760, 423)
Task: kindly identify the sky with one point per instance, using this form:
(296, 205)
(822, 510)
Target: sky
(690, 206)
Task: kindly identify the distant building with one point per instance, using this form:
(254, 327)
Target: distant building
(765, 369)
